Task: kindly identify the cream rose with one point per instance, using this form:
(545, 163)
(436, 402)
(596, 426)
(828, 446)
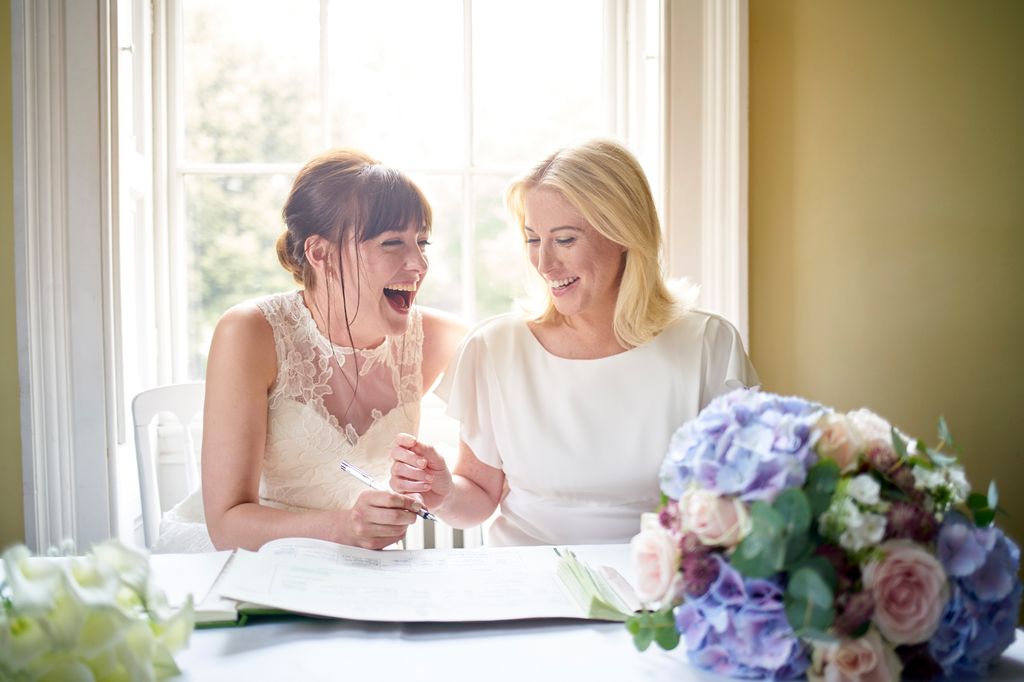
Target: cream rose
(715, 520)
(656, 563)
(839, 440)
(910, 590)
(865, 659)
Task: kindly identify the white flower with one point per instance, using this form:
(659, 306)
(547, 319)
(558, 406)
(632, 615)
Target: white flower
(958, 483)
(926, 479)
(96, 617)
(867, 533)
(864, 489)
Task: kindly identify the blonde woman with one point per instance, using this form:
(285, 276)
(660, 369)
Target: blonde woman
(566, 416)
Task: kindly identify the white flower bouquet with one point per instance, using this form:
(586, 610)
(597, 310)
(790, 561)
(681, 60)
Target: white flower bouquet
(94, 617)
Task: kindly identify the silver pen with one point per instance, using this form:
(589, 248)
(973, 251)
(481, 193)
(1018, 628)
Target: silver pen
(366, 478)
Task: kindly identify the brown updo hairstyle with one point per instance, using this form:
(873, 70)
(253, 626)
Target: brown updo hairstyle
(344, 193)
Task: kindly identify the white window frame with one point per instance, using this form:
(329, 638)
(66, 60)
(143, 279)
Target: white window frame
(65, 187)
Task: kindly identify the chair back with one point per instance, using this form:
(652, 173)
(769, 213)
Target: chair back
(184, 401)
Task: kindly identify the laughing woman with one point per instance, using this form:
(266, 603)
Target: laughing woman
(566, 417)
(297, 381)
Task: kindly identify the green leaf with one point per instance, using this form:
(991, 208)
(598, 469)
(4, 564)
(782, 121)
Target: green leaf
(823, 568)
(763, 561)
(665, 632)
(943, 460)
(817, 635)
(821, 484)
(642, 629)
(809, 601)
(794, 508)
(898, 443)
(983, 518)
(977, 502)
(945, 438)
(993, 495)
(798, 550)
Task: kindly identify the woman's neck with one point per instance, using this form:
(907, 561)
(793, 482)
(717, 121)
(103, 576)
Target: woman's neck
(583, 337)
(328, 313)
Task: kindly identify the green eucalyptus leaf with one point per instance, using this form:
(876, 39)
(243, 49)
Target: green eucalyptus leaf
(898, 444)
(762, 562)
(642, 627)
(945, 438)
(794, 508)
(821, 484)
(943, 460)
(983, 518)
(809, 601)
(798, 550)
(823, 568)
(665, 632)
(977, 502)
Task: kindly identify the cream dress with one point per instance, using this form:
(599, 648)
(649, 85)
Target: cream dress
(581, 441)
(313, 422)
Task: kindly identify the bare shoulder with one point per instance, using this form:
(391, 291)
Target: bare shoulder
(244, 339)
(442, 333)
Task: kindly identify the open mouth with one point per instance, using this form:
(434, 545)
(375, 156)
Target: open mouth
(559, 284)
(400, 296)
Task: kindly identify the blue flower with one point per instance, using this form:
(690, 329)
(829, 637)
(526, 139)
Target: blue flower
(980, 618)
(745, 443)
(739, 628)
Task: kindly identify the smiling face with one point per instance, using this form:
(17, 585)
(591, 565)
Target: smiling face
(581, 267)
(390, 268)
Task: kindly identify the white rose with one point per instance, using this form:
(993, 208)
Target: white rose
(715, 520)
(656, 563)
(838, 440)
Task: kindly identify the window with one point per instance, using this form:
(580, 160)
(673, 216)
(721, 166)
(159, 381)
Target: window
(101, 255)
(459, 94)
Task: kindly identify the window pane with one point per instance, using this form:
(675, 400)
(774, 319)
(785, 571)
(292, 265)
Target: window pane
(538, 78)
(396, 80)
(442, 287)
(501, 266)
(232, 223)
(250, 83)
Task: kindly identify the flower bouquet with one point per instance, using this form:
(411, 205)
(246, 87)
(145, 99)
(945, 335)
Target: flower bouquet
(796, 540)
(97, 617)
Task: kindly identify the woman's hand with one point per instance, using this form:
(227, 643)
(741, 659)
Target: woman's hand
(378, 518)
(417, 469)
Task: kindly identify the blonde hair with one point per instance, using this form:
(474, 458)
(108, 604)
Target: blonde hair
(604, 182)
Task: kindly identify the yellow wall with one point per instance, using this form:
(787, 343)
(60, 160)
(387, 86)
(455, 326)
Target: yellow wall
(12, 526)
(887, 216)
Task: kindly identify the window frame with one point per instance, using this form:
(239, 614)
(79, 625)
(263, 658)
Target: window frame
(66, 185)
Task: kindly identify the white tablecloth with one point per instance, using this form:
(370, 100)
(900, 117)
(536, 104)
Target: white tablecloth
(525, 651)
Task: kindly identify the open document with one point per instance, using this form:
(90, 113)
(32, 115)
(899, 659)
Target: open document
(319, 578)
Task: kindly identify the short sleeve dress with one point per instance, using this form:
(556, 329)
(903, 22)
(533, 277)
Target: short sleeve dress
(327, 402)
(581, 441)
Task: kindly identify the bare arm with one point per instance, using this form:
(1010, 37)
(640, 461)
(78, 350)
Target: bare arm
(463, 498)
(442, 333)
(240, 370)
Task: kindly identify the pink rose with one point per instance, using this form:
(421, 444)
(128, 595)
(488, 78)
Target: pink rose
(865, 659)
(715, 520)
(910, 590)
(656, 562)
(839, 440)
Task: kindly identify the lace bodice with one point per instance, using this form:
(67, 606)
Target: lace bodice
(314, 419)
(327, 402)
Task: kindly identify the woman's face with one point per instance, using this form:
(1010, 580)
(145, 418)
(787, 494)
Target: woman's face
(390, 269)
(581, 267)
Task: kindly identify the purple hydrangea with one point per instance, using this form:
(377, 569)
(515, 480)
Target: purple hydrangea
(745, 443)
(980, 618)
(738, 627)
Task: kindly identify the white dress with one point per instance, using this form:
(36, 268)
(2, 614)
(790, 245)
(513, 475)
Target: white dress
(581, 441)
(313, 422)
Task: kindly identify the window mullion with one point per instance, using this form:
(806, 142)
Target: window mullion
(468, 252)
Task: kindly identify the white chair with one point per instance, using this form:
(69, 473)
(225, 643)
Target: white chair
(184, 401)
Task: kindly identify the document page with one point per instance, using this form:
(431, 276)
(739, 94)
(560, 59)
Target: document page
(461, 585)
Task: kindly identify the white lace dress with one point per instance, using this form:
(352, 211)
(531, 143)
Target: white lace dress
(313, 421)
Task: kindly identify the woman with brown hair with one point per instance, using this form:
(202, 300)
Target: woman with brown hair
(298, 381)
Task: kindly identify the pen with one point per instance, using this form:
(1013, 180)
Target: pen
(350, 468)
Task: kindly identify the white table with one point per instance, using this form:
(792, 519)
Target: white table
(525, 651)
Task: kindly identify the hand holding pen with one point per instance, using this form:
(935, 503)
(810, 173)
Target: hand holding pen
(368, 480)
